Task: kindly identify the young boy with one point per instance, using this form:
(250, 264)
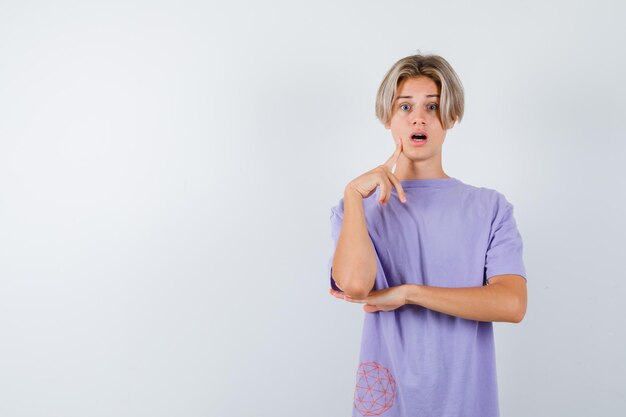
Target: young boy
(434, 260)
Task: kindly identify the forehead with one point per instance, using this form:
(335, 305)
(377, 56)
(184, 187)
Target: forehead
(417, 87)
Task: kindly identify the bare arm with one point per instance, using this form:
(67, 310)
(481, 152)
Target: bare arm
(504, 299)
(354, 262)
(495, 302)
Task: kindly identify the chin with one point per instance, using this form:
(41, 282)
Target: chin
(419, 157)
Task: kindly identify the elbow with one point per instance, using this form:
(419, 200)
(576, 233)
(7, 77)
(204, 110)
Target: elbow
(351, 282)
(513, 305)
(519, 312)
(353, 287)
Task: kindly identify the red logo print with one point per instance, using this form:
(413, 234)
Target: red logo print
(375, 389)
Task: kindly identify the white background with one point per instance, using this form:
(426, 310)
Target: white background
(167, 171)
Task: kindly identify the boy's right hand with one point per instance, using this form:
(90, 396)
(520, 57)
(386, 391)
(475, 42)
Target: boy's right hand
(366, 184)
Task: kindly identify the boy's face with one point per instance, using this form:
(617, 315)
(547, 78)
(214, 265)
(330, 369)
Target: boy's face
(416, 108)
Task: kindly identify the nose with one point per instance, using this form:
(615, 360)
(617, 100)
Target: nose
(419, 118)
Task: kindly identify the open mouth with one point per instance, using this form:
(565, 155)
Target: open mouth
(419, 135)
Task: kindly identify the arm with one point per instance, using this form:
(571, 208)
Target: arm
(504, 299)
(354, 262)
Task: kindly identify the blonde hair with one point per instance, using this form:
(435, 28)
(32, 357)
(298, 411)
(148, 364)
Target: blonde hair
(452, 100)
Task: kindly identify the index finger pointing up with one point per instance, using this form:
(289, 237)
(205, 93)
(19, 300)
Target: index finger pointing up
(394, 157)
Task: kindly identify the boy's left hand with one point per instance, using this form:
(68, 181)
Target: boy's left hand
(380, 300)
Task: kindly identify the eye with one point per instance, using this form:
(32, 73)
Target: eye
(433, 106)
(404, 106)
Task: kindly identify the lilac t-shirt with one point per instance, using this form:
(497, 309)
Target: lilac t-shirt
(420, 362)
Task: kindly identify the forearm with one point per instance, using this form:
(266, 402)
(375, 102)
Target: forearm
(487, 303)
(354, 261)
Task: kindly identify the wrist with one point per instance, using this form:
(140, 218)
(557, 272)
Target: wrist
(412, 294)
(351, 192)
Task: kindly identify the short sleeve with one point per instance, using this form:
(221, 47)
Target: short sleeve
(505, 251)
(336, 218)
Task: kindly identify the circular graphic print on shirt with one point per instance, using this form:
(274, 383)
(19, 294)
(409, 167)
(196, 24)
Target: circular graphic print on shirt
(375, 389)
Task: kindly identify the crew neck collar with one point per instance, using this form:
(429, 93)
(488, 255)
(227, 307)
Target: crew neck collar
(430, 182)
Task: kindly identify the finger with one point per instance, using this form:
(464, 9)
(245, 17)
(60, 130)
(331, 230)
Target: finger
(383, 187)
(389, 163)
(389, 189)
(388, 185)
(396, 163)
(398, 185)
(387, 192)
(343, 296)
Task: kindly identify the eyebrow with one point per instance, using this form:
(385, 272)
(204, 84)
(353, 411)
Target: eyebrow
(427, 95)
